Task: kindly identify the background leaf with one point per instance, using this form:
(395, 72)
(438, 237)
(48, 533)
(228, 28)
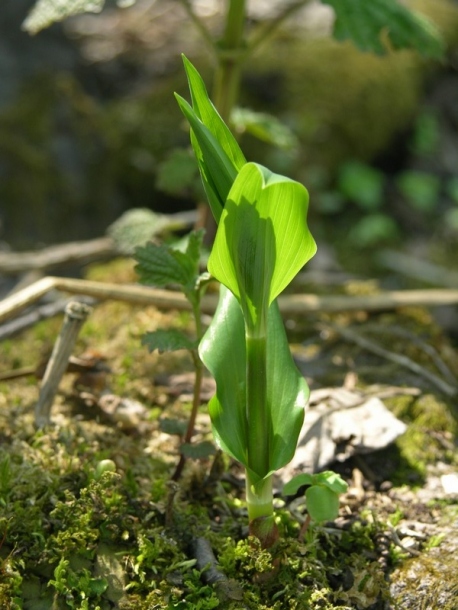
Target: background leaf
(46, 12)
(198, 451)
(167, 341)
(136, 227)
(264, 126)
(365, 22)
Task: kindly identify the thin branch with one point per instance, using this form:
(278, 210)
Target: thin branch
(199, 24)
(399, 359)
(75, 316)
(168, 299)
(268, 28)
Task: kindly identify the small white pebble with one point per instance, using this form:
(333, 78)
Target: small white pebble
(450, 483)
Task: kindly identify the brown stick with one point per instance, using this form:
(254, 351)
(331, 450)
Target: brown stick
(400, 359)
(168, 299)
(81, 252)
(75, 316)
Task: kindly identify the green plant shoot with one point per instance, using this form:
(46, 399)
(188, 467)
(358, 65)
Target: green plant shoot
(262, 241)
(322, 493)
(164, 265)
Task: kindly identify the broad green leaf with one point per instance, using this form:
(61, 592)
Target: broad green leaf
(322, 503)
(222, 350)
(46, 12)
(167, 341)
(366, 22)
(262, 239)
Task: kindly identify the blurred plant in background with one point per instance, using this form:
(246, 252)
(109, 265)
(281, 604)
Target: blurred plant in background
(310, 105)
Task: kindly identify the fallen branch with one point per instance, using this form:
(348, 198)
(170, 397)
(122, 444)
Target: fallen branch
(53, 257)
(75, 316)
(168, 299)
(82, 252)
(399, 359)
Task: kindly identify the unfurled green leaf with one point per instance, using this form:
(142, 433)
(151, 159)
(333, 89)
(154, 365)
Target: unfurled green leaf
(223, 351)
(367, 22)
(262, 239)
(207, 113)
(167, 341)
(46, 12)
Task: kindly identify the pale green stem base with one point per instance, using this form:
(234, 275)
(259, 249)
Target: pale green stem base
(259, 498)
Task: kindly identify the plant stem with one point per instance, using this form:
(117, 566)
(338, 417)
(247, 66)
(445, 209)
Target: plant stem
(259, 499)
(198, 371)
(227, 77)
(258, 429)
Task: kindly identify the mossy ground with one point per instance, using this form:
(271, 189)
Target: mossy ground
(75, 536)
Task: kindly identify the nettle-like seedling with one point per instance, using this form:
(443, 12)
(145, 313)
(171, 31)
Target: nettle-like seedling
(321, 495)
(262, 242)
(164, 265)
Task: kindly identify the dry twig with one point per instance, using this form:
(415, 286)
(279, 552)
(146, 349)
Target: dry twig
(75, 316)
(168, 299)
(370, 346)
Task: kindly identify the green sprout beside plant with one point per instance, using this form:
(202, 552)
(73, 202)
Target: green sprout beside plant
(163, 265)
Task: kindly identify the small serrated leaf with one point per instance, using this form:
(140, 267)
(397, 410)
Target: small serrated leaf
(162, 265)
(194, 246)
(46, 12)
(364, 22)
(198, 451)
(167, 341)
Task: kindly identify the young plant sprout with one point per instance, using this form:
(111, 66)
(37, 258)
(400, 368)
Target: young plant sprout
(321, 495)
(262, 242)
